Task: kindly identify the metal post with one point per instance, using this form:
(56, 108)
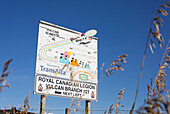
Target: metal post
(42, 104)
(87, 107)
(67, 111)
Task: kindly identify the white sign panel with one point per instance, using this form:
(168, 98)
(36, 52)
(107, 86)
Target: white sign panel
(66, 62)
(66, 54)
(65, 88)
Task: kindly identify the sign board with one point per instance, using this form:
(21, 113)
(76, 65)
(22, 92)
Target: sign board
(65, 88)
(66, 54)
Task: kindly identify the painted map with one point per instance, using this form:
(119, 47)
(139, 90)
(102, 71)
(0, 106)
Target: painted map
(66, 54)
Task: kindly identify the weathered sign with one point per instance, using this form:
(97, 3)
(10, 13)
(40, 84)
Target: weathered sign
(66, 54)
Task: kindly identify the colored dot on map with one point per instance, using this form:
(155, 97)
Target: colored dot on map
(69, 53)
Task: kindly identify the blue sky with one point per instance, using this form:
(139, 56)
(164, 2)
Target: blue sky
(122, 29)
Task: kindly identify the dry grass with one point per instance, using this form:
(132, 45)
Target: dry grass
(153, 36)
(26, 106)
(114, 66)
(21, 109)
(75, 105)
(158, 95)
(116, 107)
(4, 75)
(26, 103)
(3, 83)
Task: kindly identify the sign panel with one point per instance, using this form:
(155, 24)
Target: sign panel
(66, 63)
(66, 54)
(65, 88)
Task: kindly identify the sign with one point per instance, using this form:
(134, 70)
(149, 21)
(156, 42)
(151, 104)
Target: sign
(54, 86)
(66, 54)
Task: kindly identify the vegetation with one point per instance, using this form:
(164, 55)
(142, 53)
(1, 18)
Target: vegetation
(4, 75)
(158, 94)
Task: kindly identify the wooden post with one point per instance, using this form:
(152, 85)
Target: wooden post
(13, 110)
(42, 104)
(87, 107)
(67, 111)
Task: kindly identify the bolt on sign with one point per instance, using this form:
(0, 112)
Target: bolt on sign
(66, 63)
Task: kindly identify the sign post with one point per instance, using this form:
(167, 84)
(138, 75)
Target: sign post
(87, 107)
(67, 110)
(42, 104)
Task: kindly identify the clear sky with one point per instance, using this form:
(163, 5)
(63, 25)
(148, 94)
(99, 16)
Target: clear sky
(122, 27)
